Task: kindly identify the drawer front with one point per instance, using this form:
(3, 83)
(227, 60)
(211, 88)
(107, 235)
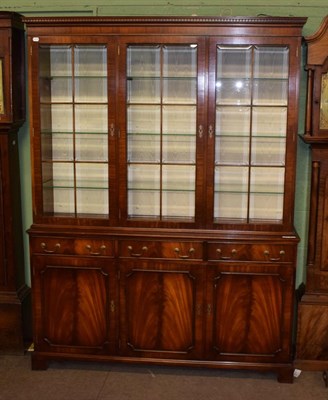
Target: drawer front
(45, 245)
(229, 251)
(183, 250)
(160, 249)
(140, 248)
(273, 253)
(89, 247)
(250, 252)
(94, 247)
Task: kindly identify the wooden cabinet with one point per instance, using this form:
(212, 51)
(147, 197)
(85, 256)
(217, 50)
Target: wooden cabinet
(170, 145)
(14, 293)
(312, 342)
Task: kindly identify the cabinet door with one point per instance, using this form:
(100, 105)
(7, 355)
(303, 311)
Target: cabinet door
(3, 257)
(249, 312)
(75, 304)
(161, 310)
(74, 128)
(252, 101)
(162, 129)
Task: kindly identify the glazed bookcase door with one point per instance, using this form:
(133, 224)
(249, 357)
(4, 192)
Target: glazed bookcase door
(250, 130)
(77, 151)
(163, 93)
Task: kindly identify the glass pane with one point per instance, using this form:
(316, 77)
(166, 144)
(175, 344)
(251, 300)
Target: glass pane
(178, 178)
(144, 148)
(179, 91)
(144, 177)
(56, 89)
(178, 204)
(231, 179)
(268, 151)
(57, 146)
(142, 90)
(143, 190)
(144, 203)
(267, 193)
(144, 119)
(233, 92)
(178, 191)
(63, 200)
(91, 176)
(271, 62)
(231, 192)
(234, 62)
(91, 118)
(179, 120)
(56, 118)
(55, 61)
(90, 61)
(93, 201)
(267, 180)
(179, 149)
(180, 61)
(233, 121)
(270, 92)
(266, 206)
(230, 205)
(90, 90)
(324, 102)
(179, 134)
(143, 61)
(61, 185)
(232, 150)
(91, 147)
(269, 121)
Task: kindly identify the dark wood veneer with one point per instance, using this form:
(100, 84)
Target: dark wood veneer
(197, 292)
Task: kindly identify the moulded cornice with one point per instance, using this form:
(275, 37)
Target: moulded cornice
(238, 20)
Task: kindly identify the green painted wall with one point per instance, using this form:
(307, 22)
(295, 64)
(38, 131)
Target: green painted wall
(315, 10)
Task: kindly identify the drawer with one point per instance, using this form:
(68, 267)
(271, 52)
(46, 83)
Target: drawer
(229, 251)
(94, 247)
(273, 253)
(183, 250)
(140, 248)
(87, 246)
(161, 249)
(250, 252)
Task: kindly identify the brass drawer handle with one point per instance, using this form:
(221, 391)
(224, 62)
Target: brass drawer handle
(44, 248)
(233, 253)
(144, 249)
(102, 248)
(267, 255)
(191, 251)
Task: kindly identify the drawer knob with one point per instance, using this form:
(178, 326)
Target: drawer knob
(144, 249)
(102, 248)
(44, 248)
(233, 253)
(191, 251)
(267, 255)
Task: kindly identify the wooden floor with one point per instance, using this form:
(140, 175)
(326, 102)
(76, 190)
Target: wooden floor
(90, 381)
